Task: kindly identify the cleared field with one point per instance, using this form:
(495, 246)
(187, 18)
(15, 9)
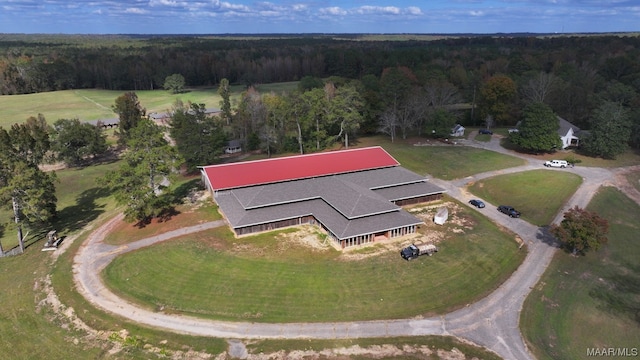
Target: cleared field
(590, 301)
(267, 278)
(537, 194)
(90, 104)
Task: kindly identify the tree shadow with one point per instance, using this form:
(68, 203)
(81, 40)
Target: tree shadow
(85, 210)
(545, 236)
(167, 202)
(184, 192)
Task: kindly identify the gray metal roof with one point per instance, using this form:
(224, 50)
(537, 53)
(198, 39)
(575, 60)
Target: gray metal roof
(565, 126)
(409, 191)
(345, 203)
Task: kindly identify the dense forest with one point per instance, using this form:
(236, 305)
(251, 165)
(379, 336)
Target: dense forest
(573, 75)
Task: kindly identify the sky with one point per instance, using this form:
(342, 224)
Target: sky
(318, 16)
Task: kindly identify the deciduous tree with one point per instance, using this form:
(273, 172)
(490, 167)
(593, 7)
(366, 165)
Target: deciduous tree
(175, 83)
(581, 231)
(73, 141)
(497, 98)
(345, 110)
(538, 88)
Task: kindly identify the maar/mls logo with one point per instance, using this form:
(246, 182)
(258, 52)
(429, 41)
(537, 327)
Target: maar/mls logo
(613, 351)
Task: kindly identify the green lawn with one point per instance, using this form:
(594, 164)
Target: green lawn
(594, 300)
(214, 275)
(445, 162)
(537, 194)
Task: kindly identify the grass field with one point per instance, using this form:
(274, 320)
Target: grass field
(89, 104)
(594, 300)
(445, 161)
(257, 278)
(537, 194)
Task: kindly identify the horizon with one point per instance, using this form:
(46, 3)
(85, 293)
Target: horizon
(390, 17)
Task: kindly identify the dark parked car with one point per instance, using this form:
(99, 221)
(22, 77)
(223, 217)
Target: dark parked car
(477, 203)
(509, 211)
(485, 131)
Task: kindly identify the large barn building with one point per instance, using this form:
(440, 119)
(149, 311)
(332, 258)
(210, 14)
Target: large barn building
(354, 195)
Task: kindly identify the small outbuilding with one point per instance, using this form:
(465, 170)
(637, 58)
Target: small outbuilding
(457, 130)
(233, 146)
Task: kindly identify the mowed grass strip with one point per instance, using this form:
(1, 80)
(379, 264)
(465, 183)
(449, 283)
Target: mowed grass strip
(213, 275)
(590, 301)
(537, 194)
(446, 162)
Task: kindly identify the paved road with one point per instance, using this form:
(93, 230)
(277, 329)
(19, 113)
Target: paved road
(491, 322)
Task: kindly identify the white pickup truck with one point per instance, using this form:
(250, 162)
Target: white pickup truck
(556, 163)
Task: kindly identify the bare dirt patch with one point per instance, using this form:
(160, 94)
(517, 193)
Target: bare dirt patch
(621, 181)
(371, 352)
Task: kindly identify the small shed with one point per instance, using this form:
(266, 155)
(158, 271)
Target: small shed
(233, 146)
(441, 216)
(457, 130)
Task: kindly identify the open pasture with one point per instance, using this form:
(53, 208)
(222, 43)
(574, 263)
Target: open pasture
(590, 301)
(93, 104)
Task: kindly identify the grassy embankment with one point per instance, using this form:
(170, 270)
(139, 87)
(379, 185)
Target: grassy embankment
(590, 301)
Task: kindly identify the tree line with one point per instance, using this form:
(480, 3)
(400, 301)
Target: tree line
(571, 74)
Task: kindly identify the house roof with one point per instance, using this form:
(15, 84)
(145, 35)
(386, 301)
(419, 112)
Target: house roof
(260, 172)
(565, 126)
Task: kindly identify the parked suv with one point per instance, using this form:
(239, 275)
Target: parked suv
(556, 163)
(509, 211)
(485, 131)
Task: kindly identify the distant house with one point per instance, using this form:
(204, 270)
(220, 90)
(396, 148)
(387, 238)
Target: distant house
(233, 146)
(457, 130)
(568, 133)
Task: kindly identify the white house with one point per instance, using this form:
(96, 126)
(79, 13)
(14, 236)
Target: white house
(568, 133)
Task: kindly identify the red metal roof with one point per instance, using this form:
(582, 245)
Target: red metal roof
(248, 173)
